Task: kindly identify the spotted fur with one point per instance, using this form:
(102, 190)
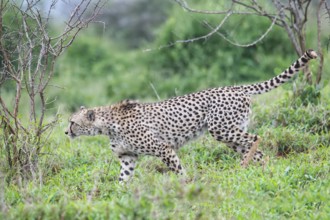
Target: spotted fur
(161, 128)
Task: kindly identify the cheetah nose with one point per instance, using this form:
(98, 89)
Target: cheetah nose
(66, 132)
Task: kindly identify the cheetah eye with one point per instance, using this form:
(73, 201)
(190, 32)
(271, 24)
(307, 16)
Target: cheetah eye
(74, 123)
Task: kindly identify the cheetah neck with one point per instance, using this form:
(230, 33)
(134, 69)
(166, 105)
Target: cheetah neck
(104, 123)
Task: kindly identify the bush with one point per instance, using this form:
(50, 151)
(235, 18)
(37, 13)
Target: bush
(312, 119)
(285, 140)
(290, 127)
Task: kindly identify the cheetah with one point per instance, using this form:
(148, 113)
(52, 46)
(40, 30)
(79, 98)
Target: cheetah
(161, 128)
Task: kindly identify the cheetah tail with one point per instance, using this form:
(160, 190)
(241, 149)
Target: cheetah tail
(287, 74)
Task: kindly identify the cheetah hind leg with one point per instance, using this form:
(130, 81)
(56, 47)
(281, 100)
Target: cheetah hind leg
(250, 154)
(239, 140)
(127, 166)
(257, 157)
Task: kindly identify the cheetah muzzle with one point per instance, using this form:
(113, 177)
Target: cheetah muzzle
(161, 128)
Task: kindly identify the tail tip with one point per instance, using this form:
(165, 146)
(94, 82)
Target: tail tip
(311, 53)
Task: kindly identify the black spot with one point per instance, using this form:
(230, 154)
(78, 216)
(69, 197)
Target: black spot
(297, 65)
(260, 87)
(304, 60)
(290, 70)
(127, 172)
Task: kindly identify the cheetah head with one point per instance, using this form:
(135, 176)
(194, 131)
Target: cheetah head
(82, 123)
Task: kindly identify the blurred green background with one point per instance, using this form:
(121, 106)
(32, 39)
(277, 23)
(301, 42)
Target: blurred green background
(127, 55)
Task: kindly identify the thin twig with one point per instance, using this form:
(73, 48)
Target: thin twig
(185, 6)
(204, 37)
(155, 91)
(248, 44)
(9, 113)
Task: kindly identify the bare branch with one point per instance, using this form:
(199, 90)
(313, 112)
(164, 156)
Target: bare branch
(73, 27)
(319, 46)
(16, 104)
(327, 9)
(256, 8)
(204, 37)
(8, 113)
(185, 5)
(8, 67)
(289, 31)
(248, 44)
(306, 11)
(5, 120)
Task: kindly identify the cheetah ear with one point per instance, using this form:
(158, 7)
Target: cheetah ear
(82, 107)
(91, 115)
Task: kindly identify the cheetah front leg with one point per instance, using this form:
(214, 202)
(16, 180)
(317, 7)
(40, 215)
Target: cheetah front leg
(169, 157)
(127, 166)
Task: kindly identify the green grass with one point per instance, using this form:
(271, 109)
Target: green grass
(83, 185)
(78, 180)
